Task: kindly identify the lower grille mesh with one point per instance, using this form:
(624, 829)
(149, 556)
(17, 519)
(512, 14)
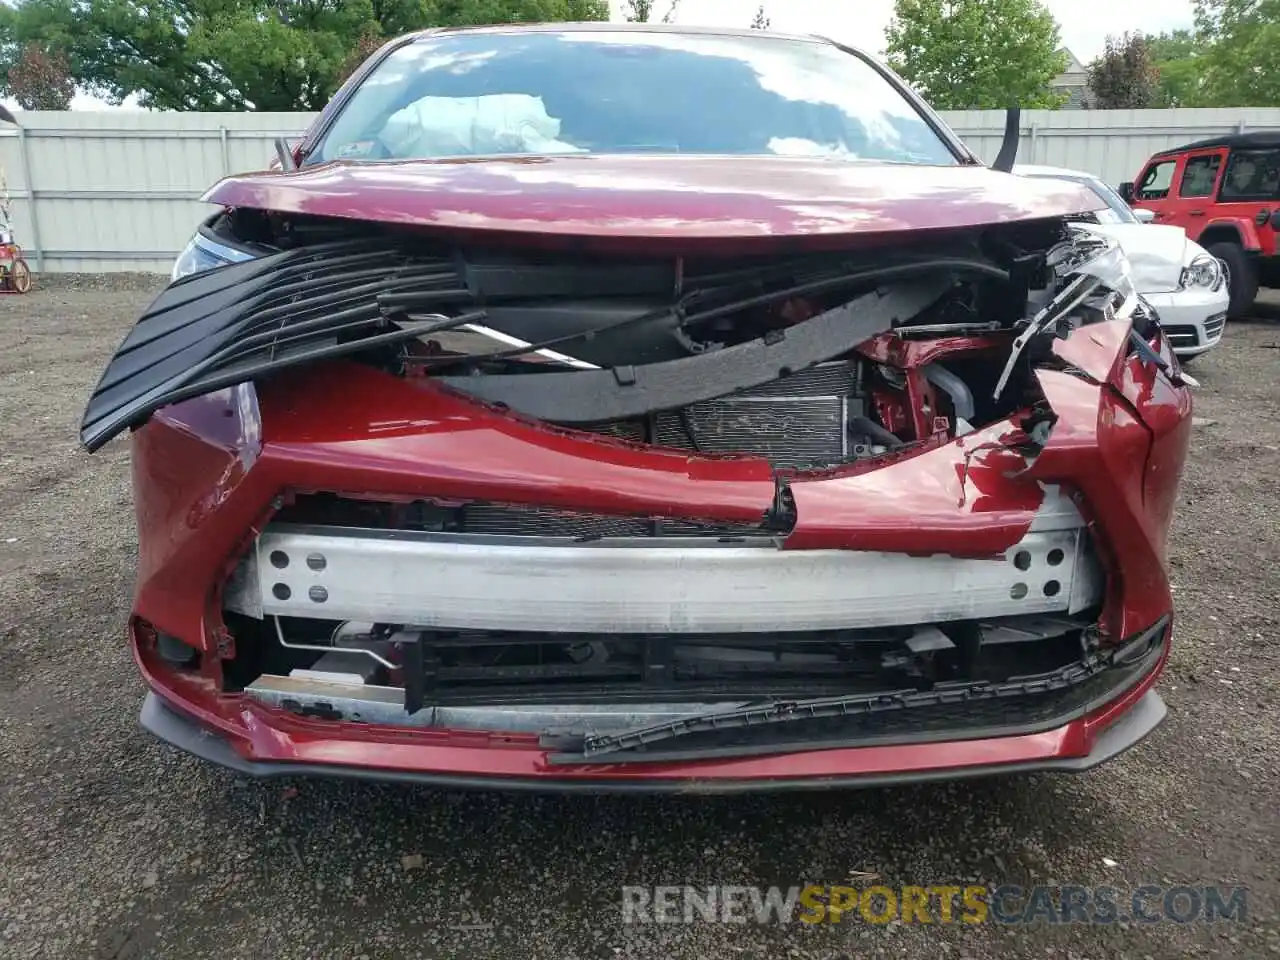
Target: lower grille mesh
(534, 522)
(1181, 335)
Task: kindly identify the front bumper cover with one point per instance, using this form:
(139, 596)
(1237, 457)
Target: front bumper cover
(828, 769)
(263, 742)
(1193, 319)
(209, 475)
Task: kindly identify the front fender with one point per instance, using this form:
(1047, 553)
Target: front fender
(1244, 226)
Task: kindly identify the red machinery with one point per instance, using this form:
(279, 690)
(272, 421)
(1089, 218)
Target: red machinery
(15, 275)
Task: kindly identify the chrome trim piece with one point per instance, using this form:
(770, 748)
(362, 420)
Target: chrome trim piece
(506, 341)
(1182, 335)
(1213, 327)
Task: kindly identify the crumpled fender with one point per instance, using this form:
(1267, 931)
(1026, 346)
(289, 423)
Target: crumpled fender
(1122, 435)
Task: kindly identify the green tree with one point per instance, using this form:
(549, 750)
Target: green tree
(1124, 78)
(977, 54)
(1176, 59)
(641, 11)
(1240, 64)
(240, 54)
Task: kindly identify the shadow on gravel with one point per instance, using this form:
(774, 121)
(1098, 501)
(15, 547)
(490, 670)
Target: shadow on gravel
(500, 845)
(429, 866)
(1263, 312)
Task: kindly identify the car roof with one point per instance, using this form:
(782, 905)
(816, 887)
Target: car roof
(1258, 138)
(605, 26)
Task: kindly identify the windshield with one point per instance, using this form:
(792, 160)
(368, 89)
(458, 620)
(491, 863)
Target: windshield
(1117, 210)
(626, 92)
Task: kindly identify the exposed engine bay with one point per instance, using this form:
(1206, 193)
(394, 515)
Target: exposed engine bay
(647, 350)
(404, 612)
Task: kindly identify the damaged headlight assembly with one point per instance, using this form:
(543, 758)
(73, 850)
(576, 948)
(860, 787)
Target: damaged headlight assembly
(204, 253)
(1088, 269)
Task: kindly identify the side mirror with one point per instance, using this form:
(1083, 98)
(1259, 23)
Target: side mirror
(1126, 191)
(1145, 216)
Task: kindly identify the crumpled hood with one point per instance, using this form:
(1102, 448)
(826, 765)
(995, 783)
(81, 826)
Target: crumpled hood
(1156, 252)
(659, 197)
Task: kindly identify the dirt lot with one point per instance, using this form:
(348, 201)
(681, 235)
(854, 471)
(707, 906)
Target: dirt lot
(113, 845)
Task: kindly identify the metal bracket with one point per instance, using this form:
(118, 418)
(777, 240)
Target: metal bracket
(421, 670)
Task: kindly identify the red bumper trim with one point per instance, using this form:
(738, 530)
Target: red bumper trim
(260, 742)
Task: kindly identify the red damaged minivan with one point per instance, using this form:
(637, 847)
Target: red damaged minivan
(607, 408)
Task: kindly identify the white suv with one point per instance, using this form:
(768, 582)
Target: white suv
(1186, 286)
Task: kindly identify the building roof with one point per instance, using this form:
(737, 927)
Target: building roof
(1073, 63)
(1074, 81)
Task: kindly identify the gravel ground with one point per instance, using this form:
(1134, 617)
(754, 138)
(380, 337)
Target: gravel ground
(115, 846)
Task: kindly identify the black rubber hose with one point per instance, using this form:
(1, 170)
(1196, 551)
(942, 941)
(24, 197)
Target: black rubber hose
(869, 428)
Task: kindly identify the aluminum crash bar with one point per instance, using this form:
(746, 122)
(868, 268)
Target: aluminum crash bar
(648, 585)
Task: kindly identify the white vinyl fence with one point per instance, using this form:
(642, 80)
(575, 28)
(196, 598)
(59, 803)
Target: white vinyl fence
(119, 190)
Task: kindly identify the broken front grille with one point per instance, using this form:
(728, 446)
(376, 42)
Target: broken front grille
(714, 693)
(230, 325)
(459, 666)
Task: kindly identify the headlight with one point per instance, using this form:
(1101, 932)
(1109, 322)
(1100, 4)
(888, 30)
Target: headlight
(1204, 271)
(205, 254)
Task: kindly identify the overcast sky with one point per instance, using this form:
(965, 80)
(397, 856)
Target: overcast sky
(1085, 23)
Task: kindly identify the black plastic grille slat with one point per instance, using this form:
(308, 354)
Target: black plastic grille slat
(596, 396)
(502, 658)
(262, 313)
(501, 666)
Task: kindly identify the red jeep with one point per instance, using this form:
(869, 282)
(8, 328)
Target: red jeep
(1226, 193)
